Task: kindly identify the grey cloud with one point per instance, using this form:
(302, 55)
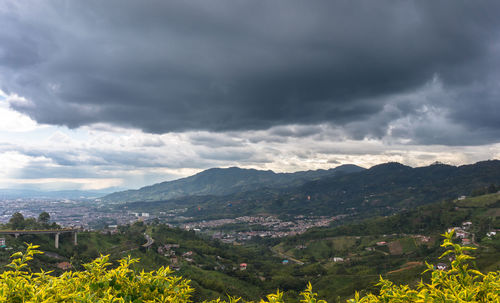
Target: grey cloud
(351, 149)
(66, 160)
(63, 158)
(426, 157)
(227, 155)
(37, 170)
(478, 106)
(376, 125)
(214, 140)
(258, 138)
(60, 161)
(466, 116)
(446, 133)
(150, 142)
(247, 65)
(296, 130)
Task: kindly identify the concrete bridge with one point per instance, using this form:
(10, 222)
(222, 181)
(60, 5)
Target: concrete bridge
(56, 232)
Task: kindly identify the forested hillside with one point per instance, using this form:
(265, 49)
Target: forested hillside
(122, 284)
(224, 181)
(381, 190)
(338, 261)
(98, 282)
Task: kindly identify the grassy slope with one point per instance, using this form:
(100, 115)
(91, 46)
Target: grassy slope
(397, 261)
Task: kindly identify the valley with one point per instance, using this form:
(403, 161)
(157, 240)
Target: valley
(337, 260)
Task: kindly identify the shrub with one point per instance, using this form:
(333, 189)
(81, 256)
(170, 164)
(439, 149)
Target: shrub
(459, 284)
(98, 283)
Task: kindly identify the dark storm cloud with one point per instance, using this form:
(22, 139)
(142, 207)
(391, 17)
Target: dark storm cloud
(479, 107)
(227, 65)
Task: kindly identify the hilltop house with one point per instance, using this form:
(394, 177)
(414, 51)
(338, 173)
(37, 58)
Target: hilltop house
(466, 224)
(187, 254)
(64, 265)
(167, 249)
(466, 241)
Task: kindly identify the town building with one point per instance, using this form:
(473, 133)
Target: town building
(64, 265)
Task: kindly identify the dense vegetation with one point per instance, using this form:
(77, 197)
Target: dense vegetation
(459, 284)
(96, 283)
(224, 181)
(18, 222)
(483, 211)
(99, 283)
(381, 190)
(214, 267)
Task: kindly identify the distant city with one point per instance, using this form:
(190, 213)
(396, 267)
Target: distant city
(85, 214)
(96, 215)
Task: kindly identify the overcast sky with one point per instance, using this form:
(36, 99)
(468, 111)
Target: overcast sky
(98, 94)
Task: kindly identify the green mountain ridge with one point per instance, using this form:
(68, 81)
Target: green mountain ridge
(224, 181)
(381, 190)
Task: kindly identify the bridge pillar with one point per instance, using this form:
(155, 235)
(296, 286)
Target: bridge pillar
(57, 240)
(16, 235)
(75, 239)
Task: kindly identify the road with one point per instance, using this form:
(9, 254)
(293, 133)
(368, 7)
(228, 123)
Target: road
(149, 240)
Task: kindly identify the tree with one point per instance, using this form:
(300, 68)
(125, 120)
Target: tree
(30, 224)
(17, 221)
(492, 189)
(43, 218)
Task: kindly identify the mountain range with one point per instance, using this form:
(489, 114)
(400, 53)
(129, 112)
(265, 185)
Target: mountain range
(225, 181)
(380, 190)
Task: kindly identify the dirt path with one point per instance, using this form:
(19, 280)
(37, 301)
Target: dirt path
(382, 252)
(282, 255)
(407, 266)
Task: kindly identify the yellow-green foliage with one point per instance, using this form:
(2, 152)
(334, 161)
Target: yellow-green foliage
(96, 284)
(459, 284)
(308, 296)
(101, 284)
